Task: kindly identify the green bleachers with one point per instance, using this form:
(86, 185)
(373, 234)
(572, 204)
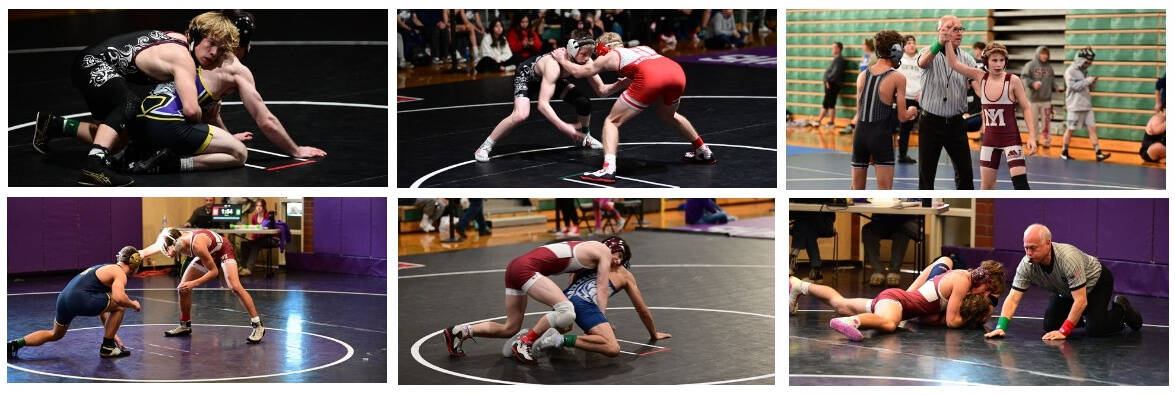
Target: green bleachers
(1114, 39)
(1125, 55)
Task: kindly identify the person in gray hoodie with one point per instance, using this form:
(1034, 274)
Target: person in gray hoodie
(1079, 103)
(1037, 75)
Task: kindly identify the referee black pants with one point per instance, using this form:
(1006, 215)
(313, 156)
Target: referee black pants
(934, 134)
(1098, 320)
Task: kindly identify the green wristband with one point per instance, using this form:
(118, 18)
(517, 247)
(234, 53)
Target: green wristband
(1002, 324)
(935, 48)
(569, 340)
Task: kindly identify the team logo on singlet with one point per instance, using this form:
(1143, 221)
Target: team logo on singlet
(993, 117)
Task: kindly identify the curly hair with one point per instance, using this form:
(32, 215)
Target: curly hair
(991, 273)
(215, 26)
(995, 48)
(975, 311)
(885, 41)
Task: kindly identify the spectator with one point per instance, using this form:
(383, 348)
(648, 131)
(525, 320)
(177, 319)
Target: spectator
(913, 73)
(806, 227)
(973, 120)
(833, 82)
(434, 25)
(1079, 102)
(705, 211)
(408, 38)
(255, 242)
(606, 205)
(722, 32)
(431, 210)
(898, 228)
(524, 42)
(1038, 78)
(570, 212)
(1154, 140)
(202, 216)
(495, 51)
(466, 27)
(475, 213)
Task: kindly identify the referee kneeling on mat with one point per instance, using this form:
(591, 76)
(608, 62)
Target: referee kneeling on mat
(1080, 285)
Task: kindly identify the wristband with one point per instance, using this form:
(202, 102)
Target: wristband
(1002, 324)
(1066, 328)
(935, 48)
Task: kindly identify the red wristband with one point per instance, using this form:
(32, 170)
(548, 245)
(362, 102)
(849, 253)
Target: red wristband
(1066, 327)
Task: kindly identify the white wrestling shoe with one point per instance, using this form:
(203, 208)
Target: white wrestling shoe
(507, 350)
(550, 339)
(482, 154)
(793, 288)
(847, 325)
(592, 143)
(257, 333)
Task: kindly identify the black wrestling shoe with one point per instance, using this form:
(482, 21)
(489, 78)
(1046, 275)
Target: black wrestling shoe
(162, 161)
(1065, 155)
(1102, 156)
(184, 329)
(905, 159)
(1129, 315)
(96, 173)
(112, 352)
(13, 346)
(47, 125)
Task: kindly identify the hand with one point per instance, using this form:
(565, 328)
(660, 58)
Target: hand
(1053, 335)
(308, 152)
(1036, 85)
(826, 86)
(187, 286)
(661, 336)
(244, 136)
(944, 36)
(1031, 147)
(918, 97)
(136, 306)
(995, 333)
(559, 53)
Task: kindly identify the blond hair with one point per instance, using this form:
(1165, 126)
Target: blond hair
(611, 39)
(215, 26)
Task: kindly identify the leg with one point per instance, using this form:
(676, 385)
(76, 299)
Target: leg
(515, 308)
(599, 339)
(987, 178)
(234, 285)
(1157, 151)
(112, 320)
(1099, 320)
(1056, 312)
(185, 297)
(929, 149)
(960, 153)
(859, 176)
(885, 320)
(901, 241)
(669, 114)
(223, 151)
(517, 116)
(871, 238)
(884, 177)
(40, 337)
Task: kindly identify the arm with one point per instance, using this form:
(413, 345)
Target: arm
(266, 121)
(602, 272)
(1022, 99)
(1009, 310)
(1027, 77)
(1076, 81)
(183, 71)
(550, 73)
(909, 112)
(642, 309)
(973, 73)
(859, 86)
(959, 290)
(1079, 304)
(201, 250)
(584, 70)
(118, 291)
(213, 117)
(607, 89)
(922, 277)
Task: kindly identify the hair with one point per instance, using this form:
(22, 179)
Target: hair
(975, 311)
(991, 273)
(995, 48)
(886, 39)
(262, 202)
(581, 35)
(1044, 232)
(909, 37)
(979, 45)
(516, 22)
(216, 26)
(869, 44)
(501, 39)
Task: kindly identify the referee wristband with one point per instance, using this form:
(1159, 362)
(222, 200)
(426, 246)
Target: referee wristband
(935, 48)
(1066, 327)
(1002, 324)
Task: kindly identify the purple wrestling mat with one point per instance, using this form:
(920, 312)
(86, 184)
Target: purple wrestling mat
(763, 57)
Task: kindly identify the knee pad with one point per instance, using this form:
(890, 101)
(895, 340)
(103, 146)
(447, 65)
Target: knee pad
(583, 105)
(1020, 182)
(562, 316)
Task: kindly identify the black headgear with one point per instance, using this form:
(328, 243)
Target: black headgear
(618, 245)
(246, 24)
(1086, 53)
(895, 54)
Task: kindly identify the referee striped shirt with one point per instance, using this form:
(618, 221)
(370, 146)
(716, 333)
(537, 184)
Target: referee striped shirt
(1071, 269)
(944, 91)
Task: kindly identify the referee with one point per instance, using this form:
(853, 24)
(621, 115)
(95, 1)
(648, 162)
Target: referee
(1080, 287)
(944, 100)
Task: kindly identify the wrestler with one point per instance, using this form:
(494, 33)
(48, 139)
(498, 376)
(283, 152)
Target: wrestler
(98, 291)
(876, 119)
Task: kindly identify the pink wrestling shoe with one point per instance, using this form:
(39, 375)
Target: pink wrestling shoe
(848, 326)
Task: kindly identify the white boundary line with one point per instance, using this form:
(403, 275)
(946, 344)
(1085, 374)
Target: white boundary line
(816, 179)
(635, 266)
(947, 382)
(994, 316)
(257, 43)
(588, 183)
(593, 99)
(420, 359)
(350, 352)
(223, 289)
(422, 179)
(647, 182)
(637, 343)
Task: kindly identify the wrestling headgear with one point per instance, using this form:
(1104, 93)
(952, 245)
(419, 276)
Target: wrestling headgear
(618, 245)
(1086, 53)
(574, 45)
(167, 239)
(129, 256)
(246, 24)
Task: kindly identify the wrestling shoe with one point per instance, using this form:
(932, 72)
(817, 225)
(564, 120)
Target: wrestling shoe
(482, 154)
(893, 280)
(96, 173)
(46, 125)
(848, 129)
(550, 339)
(794, 286)
(1102, 156)
(1065, 155)
(162, 161)
(815, 276)
(13, 346)
(112, 352)
(184, 329)
(1129, 315)
(507, 347)
(257, 333)
(454, 338)
(599, 176)
(848, 326)
(592, 143)
(876, 279)
(905, 159)
(523, 352)
(699, 157)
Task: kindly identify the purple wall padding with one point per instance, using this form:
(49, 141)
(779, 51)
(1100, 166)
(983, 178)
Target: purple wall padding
(1128, 236)
(350, 236)
(54, 234)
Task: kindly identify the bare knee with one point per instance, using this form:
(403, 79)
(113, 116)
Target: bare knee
(240, 153)
(57, 335)
(520, 115)
(612, 349)
(889, 327)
